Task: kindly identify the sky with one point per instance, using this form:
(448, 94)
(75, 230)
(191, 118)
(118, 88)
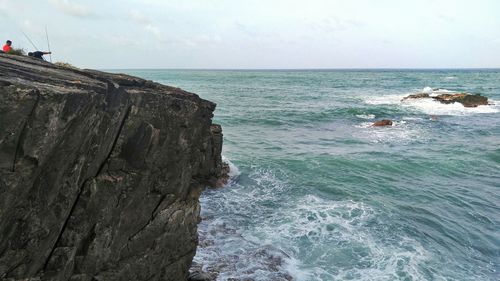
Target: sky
(259, 34)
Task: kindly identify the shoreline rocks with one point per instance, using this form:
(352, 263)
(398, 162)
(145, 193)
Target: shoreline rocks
(224, 177)
(100, 174)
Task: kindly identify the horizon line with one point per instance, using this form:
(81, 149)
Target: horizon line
(305, 69)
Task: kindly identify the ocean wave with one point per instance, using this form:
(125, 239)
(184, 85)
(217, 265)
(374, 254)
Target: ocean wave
(385, 99)
(304, 239)
(433, 107)
(232, 251)
(343, 232)
(427, 90)
(234, 172)
(401, 131)
(366, 116)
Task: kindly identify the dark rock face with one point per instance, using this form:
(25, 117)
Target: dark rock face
(223, 179)
(100, 174)
(383, 122)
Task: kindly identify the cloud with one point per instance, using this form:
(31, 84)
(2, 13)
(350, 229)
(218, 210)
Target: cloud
(72, 9)
(138, 17)
(118, 39)
(334, 24)
(147, 24)
(202, 40)
(245, 29)
(155, 30)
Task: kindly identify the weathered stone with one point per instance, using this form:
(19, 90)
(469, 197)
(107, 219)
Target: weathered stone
(383, 122)
(416, 96)
(223, 179)
(465, 99)
(100, 174)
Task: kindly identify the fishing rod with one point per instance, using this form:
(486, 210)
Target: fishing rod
(33, 44)
(48, 43)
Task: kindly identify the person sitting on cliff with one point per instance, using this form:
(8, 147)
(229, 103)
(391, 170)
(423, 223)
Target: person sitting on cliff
(38, 54)
(7, 47)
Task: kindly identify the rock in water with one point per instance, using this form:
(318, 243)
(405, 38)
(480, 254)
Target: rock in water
(465, 99)
(383, 122)
(100, 174)
(416, 96)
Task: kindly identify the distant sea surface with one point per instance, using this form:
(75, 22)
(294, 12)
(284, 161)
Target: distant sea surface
(319, 194)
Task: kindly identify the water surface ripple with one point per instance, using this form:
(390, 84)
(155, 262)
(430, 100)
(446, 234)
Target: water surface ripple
(324, 196)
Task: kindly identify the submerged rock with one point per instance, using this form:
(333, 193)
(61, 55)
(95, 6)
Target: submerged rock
(100, 174)
(383, 122)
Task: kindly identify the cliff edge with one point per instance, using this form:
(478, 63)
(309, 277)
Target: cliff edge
(100, 174)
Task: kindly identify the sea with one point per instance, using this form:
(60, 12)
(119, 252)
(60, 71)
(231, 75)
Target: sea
(317, 193)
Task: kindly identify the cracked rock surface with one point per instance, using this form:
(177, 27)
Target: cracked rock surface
(100, 174)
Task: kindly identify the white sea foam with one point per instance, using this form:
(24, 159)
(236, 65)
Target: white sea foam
(364, 125)
(341, 231)
(293, 266)
(308, 238)
(401, 131)
(243, 253)
(366, 116)
(427, 90)
(385, 99)
(412, 118)
(433, 107)
(234, 172)
(431, 91)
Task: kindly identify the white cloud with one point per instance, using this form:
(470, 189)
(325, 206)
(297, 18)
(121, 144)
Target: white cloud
(72, 9)
(118, 40)
(156, 31)
(203, 40)
(334, 24)
(147, 23)
(261, 33)
(138, 17)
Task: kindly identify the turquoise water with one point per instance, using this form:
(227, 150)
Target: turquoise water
(318, 194)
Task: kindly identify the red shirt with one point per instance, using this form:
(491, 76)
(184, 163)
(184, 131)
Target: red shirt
(6, 48)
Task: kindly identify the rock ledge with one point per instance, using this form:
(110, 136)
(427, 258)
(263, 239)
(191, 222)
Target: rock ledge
(100, 174)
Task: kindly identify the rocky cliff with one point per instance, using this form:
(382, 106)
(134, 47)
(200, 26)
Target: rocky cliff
(100, 174)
